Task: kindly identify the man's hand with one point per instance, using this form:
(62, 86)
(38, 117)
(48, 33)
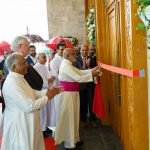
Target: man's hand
(96, 71)
(86, 63)
(51, 79)
(52, 91)
(2, 77)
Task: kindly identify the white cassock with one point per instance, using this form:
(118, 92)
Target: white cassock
(47, 113)
(54, 67)
(22, 129)
(68, 105)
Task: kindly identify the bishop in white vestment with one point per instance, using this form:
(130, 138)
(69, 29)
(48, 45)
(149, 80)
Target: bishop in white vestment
(67, 103)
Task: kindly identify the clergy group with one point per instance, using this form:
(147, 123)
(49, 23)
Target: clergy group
(47, 95)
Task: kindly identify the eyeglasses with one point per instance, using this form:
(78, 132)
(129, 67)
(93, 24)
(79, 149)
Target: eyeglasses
(22, 64)
(44, 57)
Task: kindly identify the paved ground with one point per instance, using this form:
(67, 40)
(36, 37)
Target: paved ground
(101, 138)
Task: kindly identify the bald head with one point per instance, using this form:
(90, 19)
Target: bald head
(66, 52)
(69, 54)
(41, 58)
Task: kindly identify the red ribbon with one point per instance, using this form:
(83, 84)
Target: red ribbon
(98, 106)
(122, 71)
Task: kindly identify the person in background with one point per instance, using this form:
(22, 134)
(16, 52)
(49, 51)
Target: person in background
(53, 52)
(67, 103)
(50, 57)
(56, 61)
(31, 58)
(92, 54)
(55, 65)
(77, 50)
(21, 44)
(91, 85)
(86, 90)
(5, 53)
(47, 113)
(22, 129)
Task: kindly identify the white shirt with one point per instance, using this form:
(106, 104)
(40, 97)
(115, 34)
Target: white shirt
(21, 116)
(42, 69)
(54, 67)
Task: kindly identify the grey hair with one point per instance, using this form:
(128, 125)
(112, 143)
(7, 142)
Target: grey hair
(11, 60)
(17, 41)
(84, 45)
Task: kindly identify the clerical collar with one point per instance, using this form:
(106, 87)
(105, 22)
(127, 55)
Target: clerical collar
(16, 74)
(67, 61)
(40, 64)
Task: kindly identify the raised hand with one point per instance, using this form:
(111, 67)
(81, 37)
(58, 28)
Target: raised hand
(86, 63)
(53, 90)
(96, 71)
(51, 79)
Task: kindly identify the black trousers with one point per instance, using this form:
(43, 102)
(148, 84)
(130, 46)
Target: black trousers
(86, 101)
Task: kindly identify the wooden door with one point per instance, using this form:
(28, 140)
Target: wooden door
(113, 47)
(132, 106)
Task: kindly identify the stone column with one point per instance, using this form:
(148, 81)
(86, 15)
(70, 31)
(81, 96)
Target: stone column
(66, 18)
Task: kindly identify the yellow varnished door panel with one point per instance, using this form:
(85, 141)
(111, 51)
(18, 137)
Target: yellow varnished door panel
(119, 43)
(114, 59)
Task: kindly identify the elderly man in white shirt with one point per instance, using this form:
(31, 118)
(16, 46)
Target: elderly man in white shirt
(47, 113)
(22, 129)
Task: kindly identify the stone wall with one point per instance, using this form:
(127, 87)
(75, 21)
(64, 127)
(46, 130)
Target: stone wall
(66, 18)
